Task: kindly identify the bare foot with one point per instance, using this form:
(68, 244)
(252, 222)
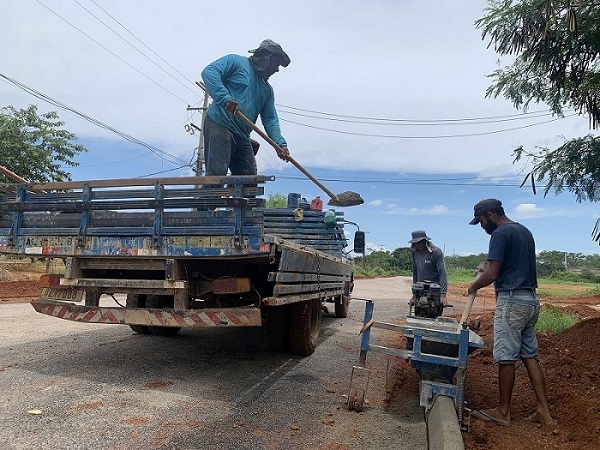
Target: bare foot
(491, 416)
(536, 418)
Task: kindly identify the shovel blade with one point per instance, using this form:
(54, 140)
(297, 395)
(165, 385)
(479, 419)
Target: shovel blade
(347, 198)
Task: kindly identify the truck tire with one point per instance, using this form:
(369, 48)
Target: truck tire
(341, 306)
(278, 327)
(137, 301)
(305, 325)
(161, 301)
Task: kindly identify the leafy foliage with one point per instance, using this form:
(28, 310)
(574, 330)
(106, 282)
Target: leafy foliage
(574, 166)
(34, 146)
(276, 201)
(553, 265)
(556, 44)
(554, 320)
(398, 262)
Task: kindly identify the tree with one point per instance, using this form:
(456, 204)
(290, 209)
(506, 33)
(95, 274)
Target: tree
(403, 258)
(556, 44)
(276, 201)
(34, 146)
(550, 262)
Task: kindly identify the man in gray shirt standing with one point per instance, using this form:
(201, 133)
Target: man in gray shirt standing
(428, 262)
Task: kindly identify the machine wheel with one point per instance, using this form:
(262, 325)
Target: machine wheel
(352, 399)
(305, 325)
(278, 327)
(137, 301)
(161, 301)
(341, 306)
(359, 403)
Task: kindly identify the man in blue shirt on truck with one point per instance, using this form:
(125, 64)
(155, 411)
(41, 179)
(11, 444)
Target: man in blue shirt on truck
(238, 83)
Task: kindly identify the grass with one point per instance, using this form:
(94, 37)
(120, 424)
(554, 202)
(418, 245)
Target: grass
(461, 276)
(553, 320)
(548, 287)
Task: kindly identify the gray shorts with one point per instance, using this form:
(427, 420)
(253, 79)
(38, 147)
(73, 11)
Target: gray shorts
(514, 325)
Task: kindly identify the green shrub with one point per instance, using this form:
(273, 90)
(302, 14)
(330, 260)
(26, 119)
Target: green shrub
(553, 320)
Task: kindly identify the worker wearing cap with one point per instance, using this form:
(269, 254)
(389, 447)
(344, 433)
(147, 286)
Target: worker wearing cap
(511, 267)
(241, 83)
(428, 262)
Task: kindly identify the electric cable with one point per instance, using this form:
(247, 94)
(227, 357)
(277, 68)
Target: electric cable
(112, 53)
(141, 42)
(406, 122)
(446, 136)
(135, 48)
(158, 152)
(466, 119)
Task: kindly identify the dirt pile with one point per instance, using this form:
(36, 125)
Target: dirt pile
(571, 363)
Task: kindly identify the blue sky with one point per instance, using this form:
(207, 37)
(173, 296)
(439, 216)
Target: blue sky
(384, 98)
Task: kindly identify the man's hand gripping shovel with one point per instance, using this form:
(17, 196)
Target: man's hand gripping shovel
(465, 315)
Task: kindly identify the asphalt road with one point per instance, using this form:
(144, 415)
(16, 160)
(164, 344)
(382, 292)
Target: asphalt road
(67, 385)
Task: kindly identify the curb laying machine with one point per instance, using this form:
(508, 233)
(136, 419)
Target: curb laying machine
(437, 347)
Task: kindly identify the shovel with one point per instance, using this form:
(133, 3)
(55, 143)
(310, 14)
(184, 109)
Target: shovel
(469, 305)
(347, 198)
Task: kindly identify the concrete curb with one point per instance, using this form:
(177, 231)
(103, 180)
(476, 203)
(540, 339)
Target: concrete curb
(443, 429)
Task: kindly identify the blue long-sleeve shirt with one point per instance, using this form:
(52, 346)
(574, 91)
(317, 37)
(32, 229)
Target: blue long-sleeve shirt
(233, 77)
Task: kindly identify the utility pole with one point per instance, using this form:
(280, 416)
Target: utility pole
(200, 161)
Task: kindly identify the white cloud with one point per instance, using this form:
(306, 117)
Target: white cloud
(375, 203)
(528, 211)
(436, 210)
(132, 94)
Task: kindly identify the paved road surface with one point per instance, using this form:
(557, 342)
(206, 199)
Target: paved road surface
(103, 387)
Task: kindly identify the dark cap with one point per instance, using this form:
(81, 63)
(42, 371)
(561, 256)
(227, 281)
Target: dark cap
(418, 236)
(483, 207)
(272, 47)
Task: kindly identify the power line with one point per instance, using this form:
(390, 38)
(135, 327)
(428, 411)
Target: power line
(446, 136)
(161, 153)
(466, 119)
(406, 122)
(163, 171)
(141, 42)
(112, 53)
(419, 182)
(133, 46)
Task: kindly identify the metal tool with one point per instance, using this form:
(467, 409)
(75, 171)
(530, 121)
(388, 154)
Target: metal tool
(347, 198)
(438, 350)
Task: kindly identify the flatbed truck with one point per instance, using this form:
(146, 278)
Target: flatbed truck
(182, 252)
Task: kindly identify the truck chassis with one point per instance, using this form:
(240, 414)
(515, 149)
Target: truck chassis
(185, 252)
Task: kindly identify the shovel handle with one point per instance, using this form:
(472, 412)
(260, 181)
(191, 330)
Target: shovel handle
(11, 174)
(276, 146)
(467, 310)
(468, 306)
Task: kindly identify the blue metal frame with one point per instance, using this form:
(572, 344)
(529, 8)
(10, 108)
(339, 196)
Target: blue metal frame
(439, 375)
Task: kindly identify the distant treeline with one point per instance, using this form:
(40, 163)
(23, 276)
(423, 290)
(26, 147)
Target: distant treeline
(550, 264)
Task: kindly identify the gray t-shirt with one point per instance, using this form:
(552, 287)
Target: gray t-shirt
(513, 245)
(430, 266)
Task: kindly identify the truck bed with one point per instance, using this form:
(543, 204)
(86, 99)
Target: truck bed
(195, 251)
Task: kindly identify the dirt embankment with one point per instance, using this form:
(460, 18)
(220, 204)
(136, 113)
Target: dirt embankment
(571, 364)
(19, 284)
